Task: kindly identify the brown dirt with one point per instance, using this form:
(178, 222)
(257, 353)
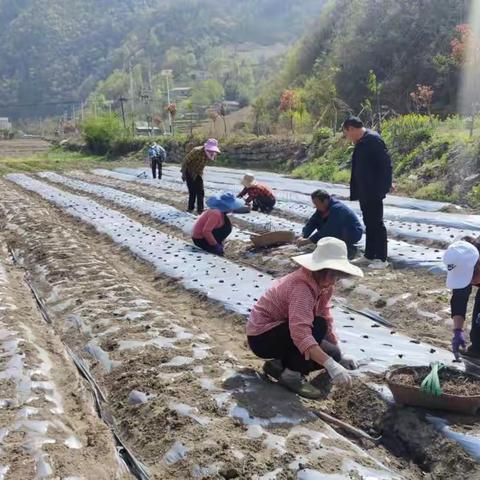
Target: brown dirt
(22, 147)
(86, 276)
(453, 382)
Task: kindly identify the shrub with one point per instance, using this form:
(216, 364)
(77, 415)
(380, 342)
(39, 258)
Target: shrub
(406, 132)
(100, 132)
(434, 191)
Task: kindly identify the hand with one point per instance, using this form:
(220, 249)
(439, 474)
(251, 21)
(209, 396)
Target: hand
(338, 374)
(348, 362)
(458, 341)
(301, 242)
(394, 188)
(219, 249)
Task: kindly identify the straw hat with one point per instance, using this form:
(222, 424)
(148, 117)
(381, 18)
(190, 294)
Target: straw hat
(330, 253)
(248, 180)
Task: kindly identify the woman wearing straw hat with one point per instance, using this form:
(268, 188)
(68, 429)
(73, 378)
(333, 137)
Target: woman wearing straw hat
(259, 195)
(462, 260)
(214, 226)
(292, 324)
(192, 172)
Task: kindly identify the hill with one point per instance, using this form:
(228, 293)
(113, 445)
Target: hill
(53, 52)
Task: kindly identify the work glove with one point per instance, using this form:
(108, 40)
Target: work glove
(219, 249)
(348, 362)
(338, 374)
(458, 341)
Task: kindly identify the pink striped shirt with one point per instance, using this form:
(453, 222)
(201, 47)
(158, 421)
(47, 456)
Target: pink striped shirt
(297, 299)
(206, 223)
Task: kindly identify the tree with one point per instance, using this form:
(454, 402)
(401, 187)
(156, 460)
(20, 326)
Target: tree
(207, 93)
(289, 105)
(422, 98)
(375, 89)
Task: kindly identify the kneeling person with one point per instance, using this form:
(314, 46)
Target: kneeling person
(292, 324)
(259, 196)
(332, 219)
(213, 226)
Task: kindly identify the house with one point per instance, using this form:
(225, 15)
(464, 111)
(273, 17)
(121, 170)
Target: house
(5, 124)
(143, 128)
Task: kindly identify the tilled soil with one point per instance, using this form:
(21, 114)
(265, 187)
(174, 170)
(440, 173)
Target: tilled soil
(175, 368)
(48, 423)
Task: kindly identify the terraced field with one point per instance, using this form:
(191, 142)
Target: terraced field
(122, 347)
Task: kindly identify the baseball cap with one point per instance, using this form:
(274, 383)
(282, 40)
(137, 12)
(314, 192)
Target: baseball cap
(460, 259)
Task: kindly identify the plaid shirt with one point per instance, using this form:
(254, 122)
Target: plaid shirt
(297, 299)
(194, 162)
(257, 190)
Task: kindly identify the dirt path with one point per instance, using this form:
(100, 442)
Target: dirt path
(49, 426)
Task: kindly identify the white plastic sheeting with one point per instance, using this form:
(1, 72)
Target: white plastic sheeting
(163, 213)
(33, 383)
(236, 287)
(400, 253)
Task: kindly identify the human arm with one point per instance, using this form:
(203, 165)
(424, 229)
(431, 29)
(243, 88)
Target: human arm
(211, 224)
(310, 227)
(242, 193)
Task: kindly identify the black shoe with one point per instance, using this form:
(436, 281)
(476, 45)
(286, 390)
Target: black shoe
(273, 368)
(471, 353)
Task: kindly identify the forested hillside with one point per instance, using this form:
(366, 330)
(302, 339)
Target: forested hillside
(361, 48)
(54, 51)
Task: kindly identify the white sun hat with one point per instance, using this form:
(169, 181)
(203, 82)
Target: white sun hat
(460, 259)
(248, 180)
(330, 253)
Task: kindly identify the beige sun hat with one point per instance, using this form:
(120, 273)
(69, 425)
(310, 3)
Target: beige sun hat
(248, 180)
(330, 253)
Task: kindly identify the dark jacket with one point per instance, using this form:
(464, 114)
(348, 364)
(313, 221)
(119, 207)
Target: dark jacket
(341, 223)
(371, 169)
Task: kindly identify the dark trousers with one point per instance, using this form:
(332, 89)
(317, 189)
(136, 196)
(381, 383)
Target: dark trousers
(204, 245)
(376, 234)
(277, 343)
(156, 163)
(196, 192)
(263, 204)
(475, 330)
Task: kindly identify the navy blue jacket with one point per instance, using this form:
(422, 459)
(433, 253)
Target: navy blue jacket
(341, 223)
(371, 169)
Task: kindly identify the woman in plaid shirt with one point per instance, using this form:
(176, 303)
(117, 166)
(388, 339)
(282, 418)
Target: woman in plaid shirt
(291, 323)
(259, 195)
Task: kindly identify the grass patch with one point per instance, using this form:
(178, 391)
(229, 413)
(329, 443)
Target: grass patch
(54, 159)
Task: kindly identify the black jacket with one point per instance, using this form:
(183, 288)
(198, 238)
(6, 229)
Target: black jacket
(371, 169)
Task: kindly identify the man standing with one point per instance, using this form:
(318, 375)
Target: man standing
(370, 182)
(157, 155)
(332, 219)
(192, 172)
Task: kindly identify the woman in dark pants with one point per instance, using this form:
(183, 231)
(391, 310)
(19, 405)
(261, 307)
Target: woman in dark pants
(292, 324)
(214, 226)
(462, 260)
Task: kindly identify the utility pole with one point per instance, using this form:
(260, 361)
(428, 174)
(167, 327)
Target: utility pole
(167, 74)
(122, 100)
(132, 95)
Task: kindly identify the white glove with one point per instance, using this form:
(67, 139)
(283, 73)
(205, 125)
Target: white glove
(338, 374)
(348, 362)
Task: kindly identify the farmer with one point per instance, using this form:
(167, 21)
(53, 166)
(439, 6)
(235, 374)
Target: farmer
(463, 272)
(292, 324)
(259, 196)
(332, 219)
(192, 172)
(214, 226)
(157, 155)
(371, 180)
